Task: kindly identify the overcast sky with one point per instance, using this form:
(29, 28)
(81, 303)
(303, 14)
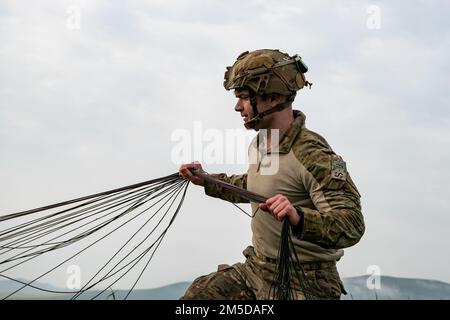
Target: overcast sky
(88, 109)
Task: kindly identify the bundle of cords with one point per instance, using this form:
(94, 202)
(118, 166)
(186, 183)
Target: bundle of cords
(33, 233)
(84, 222)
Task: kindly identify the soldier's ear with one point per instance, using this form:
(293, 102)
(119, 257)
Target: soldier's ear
(277, 98)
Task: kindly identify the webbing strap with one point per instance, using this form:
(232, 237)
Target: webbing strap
(247, 195)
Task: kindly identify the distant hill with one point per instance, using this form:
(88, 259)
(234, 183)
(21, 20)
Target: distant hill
(11, 286)
(391, 288)
(169, 292)
(396, 288)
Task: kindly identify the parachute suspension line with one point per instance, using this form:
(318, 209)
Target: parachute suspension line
(304, 285)
(174, 176)
(159, 242)
(281, 289)
(43, 227)
(245, 212)
(288, 263)
(62, 242)
(27, 235)
(140, 256)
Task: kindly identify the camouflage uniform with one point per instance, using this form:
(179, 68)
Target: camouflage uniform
(313, 178)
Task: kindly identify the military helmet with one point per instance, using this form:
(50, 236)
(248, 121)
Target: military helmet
(267, 71)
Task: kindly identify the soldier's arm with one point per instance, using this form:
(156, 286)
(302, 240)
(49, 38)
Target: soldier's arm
(337, 221)
(216, 191)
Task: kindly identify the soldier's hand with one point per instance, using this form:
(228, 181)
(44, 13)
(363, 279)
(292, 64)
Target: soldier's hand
(280, 207)
(185, 173)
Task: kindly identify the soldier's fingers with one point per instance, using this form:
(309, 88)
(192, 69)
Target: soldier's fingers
(191, 165)
(282, 214)
(197, 165)
(182, 169)
(182, 172)
(194, 165)
(277, 203)
(271, 200)
(277, 207)
(186, 174)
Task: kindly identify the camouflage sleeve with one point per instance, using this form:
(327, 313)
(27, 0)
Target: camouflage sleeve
(337, 221)
(216, 191)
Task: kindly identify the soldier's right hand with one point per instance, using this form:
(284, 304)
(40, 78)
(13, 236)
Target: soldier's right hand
(185, 173)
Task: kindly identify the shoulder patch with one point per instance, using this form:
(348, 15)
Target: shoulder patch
(338, 168)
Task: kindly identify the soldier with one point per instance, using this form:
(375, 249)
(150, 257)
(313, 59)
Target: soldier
(311, 188)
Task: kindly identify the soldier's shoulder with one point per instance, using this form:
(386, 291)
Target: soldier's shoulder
(310, 147)
(309, 136)
(319, 159)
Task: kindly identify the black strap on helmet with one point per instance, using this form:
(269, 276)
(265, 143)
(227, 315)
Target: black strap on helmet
(251, 124)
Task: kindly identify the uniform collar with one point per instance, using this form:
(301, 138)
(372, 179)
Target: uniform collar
(293, 131)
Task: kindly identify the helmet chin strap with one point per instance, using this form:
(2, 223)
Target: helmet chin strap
(251, 124)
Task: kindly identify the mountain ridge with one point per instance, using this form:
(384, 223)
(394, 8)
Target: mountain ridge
(391, 288)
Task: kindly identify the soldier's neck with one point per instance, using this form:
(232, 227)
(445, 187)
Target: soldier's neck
(282, 121)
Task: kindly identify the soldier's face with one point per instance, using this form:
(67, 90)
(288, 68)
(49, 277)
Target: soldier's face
(243, 105)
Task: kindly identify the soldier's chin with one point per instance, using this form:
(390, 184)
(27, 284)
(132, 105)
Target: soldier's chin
(258, 126)
(248, 126)
(253, 125)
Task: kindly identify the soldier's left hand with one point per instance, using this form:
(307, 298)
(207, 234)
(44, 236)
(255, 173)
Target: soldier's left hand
(280, 207)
